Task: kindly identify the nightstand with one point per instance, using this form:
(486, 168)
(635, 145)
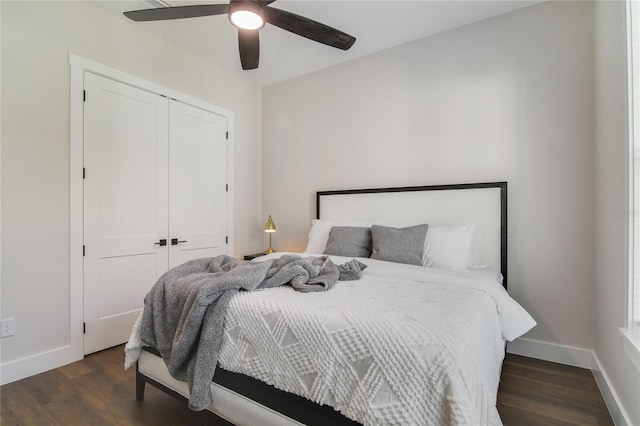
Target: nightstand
(252, 256)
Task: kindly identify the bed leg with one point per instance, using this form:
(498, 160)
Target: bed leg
(140, 384)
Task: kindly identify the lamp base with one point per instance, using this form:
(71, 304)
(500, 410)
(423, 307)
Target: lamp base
(269, 250)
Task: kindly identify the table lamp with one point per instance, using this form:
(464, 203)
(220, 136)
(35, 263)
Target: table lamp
(269, 228)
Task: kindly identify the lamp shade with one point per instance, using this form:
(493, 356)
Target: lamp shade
(269, 226)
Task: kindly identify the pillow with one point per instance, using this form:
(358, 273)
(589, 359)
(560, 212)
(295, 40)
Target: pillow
(449, 248)
(400, 245)
(475, 256)
(350, 241)
(319, 233)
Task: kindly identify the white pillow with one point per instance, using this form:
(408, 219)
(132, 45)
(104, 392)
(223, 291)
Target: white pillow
(475, 256)
(450, 248)
(319, 233)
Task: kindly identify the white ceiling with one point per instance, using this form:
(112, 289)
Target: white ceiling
(376, 24)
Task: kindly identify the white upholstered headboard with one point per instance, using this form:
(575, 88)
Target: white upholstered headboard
(481, 204)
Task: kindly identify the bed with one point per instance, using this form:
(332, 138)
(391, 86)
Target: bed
(405, 344)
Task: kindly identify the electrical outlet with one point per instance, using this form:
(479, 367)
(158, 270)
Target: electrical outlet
(7, 327)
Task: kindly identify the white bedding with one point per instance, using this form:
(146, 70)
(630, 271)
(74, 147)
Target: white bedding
(403, 345)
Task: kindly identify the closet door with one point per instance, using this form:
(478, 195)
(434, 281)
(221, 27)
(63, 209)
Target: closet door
(198, 183)
(125, 202)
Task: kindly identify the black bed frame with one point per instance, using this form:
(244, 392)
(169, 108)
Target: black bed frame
(294, 406)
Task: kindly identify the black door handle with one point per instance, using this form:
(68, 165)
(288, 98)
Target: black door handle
(174, 241)
(161, 243)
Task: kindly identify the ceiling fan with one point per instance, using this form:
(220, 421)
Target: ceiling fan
(249, 16)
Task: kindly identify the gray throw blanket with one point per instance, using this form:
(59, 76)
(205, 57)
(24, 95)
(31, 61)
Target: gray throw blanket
(184, 312)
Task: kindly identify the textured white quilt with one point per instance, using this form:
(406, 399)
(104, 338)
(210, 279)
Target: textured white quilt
(403, 345)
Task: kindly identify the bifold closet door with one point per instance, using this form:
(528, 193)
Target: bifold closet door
(155, 196)
(197, 183)
(125, 205)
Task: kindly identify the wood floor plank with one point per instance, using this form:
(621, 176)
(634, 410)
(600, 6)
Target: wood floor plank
(97, 390)
(18, 407)
(577, 399)
(50, 386)
(84, 409)
(548, 372)
(550, 410)
(77, 368)
(540, 392)
(515, 416)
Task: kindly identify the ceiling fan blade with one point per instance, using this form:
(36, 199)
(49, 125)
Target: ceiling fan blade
(308, 28)
(263, 2)
(249, 44)
(178, 12)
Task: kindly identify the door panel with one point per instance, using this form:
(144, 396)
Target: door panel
(118, 277)
(198, 170)
(125, 199)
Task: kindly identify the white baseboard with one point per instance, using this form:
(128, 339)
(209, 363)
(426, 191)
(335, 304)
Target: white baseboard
(561, 354)
(36, 364)
(616, 409)
(577, 357)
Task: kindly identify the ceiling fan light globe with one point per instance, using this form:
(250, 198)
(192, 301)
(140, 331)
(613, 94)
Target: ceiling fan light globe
(246, 20)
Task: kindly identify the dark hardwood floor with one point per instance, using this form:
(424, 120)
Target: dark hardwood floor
(535, 392)
(97, 391)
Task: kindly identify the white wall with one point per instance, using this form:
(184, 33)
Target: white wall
(509, 98)
(611, 235)
(37, 38)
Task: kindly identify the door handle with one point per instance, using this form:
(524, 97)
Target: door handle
(174, 241)
(161, 243)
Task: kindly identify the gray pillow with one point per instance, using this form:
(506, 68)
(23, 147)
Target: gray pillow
(350, 241)
(400, 245)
